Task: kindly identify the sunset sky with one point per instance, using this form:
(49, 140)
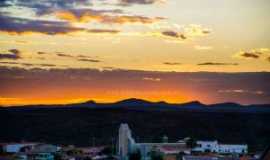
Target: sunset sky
(66, 51)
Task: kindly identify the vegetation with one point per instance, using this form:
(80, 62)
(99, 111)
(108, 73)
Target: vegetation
(135, 155)
(156, 155)
(107, 151)
(191, 142)
(76, 125)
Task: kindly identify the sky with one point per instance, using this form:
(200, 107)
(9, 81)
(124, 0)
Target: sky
(66, 51)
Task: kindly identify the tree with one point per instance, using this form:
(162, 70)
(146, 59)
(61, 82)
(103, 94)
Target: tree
(191, 143)
(156, 155)
(180, 155)
(57, 156)
(135, 155)
(1, 150)
(107, 151)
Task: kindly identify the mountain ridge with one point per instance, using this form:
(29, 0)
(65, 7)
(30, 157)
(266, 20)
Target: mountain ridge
(144, 105)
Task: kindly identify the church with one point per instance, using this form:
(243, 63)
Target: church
(127, 145)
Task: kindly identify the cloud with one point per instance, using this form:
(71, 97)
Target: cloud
(72, 11)
(188, 32)
(82, 58)
(109, 68)
(79, 12)
(64, 55)
(131, 2)
(89, 60)
(174, 34)
(151, 79)
(111, 31)
(172, 63)
(9, 63)
(258, 53)
(241, 91)
(14, 25)
(14, 51)
(47, 65)
(199, 47)
(250, 55)
(217, 64)
(29, 64)
(18, 63)
(196, 30)
(13, 54)
(45, 6)
(41, 53)
(86, 17)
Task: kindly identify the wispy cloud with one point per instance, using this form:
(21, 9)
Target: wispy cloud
(41, 53)
(151, 79)
(13, 54)
(46, 65)
(29, 64)
(64, 55)
(203, 48)
(89, 60)
(144, 2)
(81, 58)
(86, 17)
(174, 34)
(217, 64)
(110, 31)
(254, 55)
(258, 53)
(196, 30)
(240, 91)
(172, 63)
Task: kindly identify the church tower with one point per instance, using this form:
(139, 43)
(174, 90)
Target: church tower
(125, 141)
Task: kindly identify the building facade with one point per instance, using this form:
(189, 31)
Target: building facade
(127, 145)
(16, 147)
(214, 146)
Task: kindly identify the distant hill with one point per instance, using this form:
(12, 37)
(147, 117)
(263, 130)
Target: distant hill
(80, 123)
(140, 104)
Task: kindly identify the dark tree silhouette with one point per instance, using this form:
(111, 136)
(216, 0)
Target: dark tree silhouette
(156, 155)
(135, 155)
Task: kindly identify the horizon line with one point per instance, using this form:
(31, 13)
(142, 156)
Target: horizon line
(131, 98)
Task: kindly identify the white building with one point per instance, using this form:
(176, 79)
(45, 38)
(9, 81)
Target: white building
(16, 147)
(125, 141)
(214, 146)
(127, 145)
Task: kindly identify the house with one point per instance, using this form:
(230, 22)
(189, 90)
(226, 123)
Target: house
(42, 156)
(45, 148)
(16, 147)
(189, 157)
(20, 156)
(214, 146)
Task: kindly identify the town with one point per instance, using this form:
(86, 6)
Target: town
(127, 148)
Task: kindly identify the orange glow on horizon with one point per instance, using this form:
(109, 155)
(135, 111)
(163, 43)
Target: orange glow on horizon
(98, 99)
